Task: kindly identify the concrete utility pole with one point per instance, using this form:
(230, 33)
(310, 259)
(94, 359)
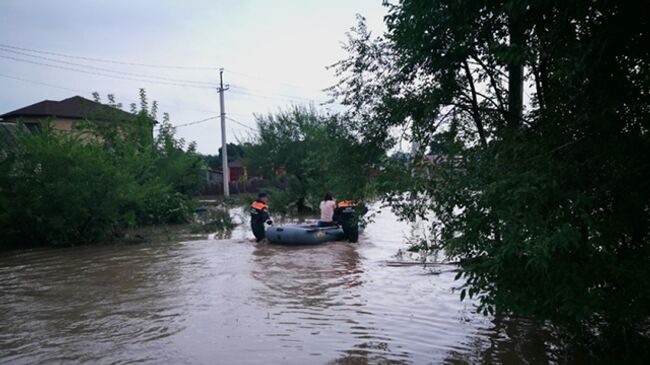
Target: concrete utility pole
(224, 149)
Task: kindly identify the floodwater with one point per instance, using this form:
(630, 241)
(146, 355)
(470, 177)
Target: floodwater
(233, 301)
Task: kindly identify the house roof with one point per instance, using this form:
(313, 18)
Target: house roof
(231, 164)
(75, 107)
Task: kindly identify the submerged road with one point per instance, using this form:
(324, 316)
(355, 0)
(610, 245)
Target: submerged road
(232, 301)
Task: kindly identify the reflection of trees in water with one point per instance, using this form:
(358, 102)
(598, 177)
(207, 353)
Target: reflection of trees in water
(510, 341)
(371, 353)
(70, 299)
(307, 276)
(316, 286)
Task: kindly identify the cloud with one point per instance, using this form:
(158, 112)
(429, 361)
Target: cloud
(274, 53)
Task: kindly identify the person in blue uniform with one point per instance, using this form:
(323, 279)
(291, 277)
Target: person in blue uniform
(259, 216)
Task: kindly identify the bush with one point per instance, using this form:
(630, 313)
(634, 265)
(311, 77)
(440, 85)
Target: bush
(59, 191)
(64, 189)
(212, 221)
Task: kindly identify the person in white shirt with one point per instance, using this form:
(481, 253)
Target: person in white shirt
(327, 206)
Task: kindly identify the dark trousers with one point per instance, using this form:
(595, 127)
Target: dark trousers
(258, 230)
(351, 231)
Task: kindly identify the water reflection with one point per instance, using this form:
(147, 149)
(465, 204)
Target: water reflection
(371, 353)
(316, 292)
(73, 299)
(508, 341)
(234, 301)
(306, 277)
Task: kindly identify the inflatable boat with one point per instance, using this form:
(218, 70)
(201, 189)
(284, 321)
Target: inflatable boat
(304, 234)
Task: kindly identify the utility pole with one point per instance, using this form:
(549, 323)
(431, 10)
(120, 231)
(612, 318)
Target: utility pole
(224, 149)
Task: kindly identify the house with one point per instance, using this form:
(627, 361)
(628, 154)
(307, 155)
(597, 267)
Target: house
(64, 115)
(236, 169)
(214, 175)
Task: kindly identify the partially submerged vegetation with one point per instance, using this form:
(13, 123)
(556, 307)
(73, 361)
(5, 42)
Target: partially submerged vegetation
(212, 219)
(63, 189)
(545, 203)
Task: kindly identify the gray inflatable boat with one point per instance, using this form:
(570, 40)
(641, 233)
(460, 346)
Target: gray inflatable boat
(304, 234)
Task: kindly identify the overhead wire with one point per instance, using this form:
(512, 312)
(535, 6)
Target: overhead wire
(142, 77)
(78, 67)
(110, 61)
(89, 92)
(205, 83)
(105, 75)
(240, 123)
(267, 80)
(15, 49)
(44, 84)
(196, 122)
(292, 99)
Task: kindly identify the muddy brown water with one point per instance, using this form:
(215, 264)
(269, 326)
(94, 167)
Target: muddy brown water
(232, 301)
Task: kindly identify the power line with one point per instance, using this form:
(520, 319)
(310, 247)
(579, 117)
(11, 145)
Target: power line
(105, 75)
(240, 92)
(196, 122)
(44, 84)
(109, 70)
(110, 61)
(243, 90)
(268, 80)
(88, 92)
(141, 77)
(255, 95)
(65, 88)
(240, 123)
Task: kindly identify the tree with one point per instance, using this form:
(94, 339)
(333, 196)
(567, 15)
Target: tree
(311, 154)
(178, 166)
(235, 152)
(546, 203)
(65, 189)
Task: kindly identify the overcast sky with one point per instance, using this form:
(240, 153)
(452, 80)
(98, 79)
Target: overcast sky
(274, 54)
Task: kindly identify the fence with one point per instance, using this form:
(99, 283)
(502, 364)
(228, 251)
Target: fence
(239, 187)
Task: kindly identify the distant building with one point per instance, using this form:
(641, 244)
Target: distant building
(64, 115)
(236, 169)
(214, 175)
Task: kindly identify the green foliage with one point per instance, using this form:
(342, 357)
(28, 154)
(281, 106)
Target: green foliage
(58, 191)
(235, 152)
(177, 166)
(214, 220)
(546, 204)
(66, 189)
(309, 154)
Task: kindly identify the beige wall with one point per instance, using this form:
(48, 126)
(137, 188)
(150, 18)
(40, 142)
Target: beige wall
(58, 124)
(61, 124)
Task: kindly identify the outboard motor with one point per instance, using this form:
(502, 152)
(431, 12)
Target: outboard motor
(346, 215)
